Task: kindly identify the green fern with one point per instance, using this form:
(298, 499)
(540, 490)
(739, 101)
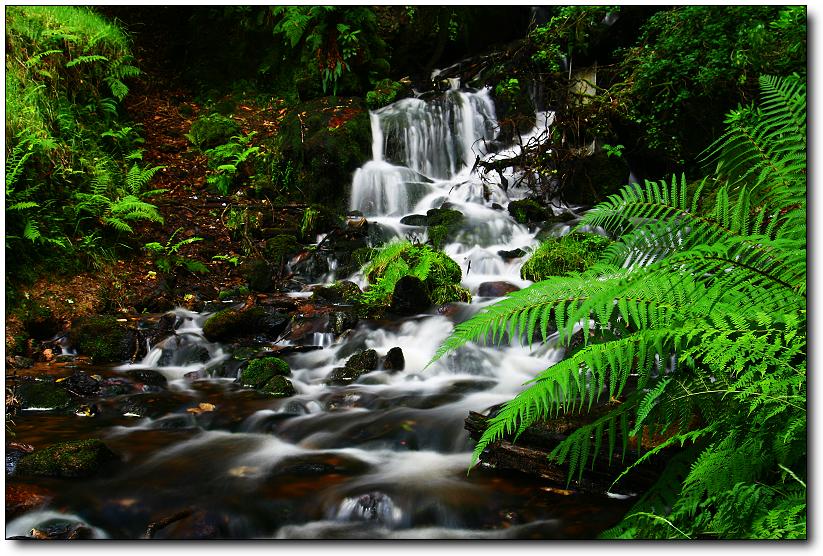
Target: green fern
(719, 294)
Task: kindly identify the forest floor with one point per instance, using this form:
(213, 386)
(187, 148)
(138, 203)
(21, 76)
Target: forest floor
(163, 110)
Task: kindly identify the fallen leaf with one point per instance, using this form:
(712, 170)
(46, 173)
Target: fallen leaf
(202, 408)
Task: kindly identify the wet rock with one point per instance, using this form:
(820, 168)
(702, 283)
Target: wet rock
(444, 216)
(363, 361)
(358, 364)
(497, 206)
(148, 377)
(374, 506)
(14, 452)
(22, 498)
(115, 386)
(189, 525)
(311, 266)
(61, 530)
(302, 329)
(513, 254)
(496, 289)
(176, 353)
(78, 458)
(151, 404)
(260, 371)
(394, 361)
(230, 324)
(343, 291)
(311, 465)
(82, 384)
(342, 376)
(347, 399)
(279, 387)
(340, 321)
(43, 395)
(415, 220)
(410, 296)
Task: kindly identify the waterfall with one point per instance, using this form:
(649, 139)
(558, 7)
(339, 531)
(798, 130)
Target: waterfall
(424, 154)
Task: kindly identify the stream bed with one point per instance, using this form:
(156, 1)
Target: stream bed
(384, 457)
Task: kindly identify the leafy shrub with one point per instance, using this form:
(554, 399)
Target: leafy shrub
(403, 258)
(207, 132)
(168, 258)
(708, 313)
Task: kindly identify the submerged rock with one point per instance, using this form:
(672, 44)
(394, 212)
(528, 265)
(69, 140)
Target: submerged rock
(358, 364)
(78, 458)
(148, 378)
(82, 384)
(340, 321)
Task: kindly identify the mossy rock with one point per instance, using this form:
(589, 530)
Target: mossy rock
(444, 272)
(557, 256)
(78, 458)
(281, 247)
(444, 217)
(344, 291)
(260, 371)
(44, 395)
(365, 360)
(230, 324)
(529, 210)
(279, 387)
(258, 274)
(233, 293)
(102, 338)
(212, 130)
(450, 293)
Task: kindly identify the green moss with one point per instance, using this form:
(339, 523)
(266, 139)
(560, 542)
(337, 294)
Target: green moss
(102, 338)
(339, 292)
(438, 236)
(450, 293)
(281, 247)
(233, 293)
(212, 130)
(260, 371)
(44, 395)
(231, 323)
(528, 210)
(79, 458)
(279, 387)
(444, 272)
(557, 256)
(443, 225)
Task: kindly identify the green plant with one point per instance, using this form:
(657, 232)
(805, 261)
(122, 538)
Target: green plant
(385, 92)
(168, 259)
(115, 200)
(233, 260)
(308, 221)
(706, 311)
(613, 150)
(403, 258)
(557, 256)
(225, 160)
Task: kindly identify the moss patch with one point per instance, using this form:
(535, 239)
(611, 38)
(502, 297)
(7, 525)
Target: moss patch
(79, 458)
(450, 293)
(557, 256)
(102, 338)
(279, 387)
(260, 371)
(210, 131)
(44, 395)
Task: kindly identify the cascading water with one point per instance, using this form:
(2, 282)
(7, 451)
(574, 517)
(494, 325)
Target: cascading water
(385, 456)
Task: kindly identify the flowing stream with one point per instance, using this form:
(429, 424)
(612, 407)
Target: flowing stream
(384, 457)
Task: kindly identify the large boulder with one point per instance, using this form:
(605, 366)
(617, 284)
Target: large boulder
(410, 296)
(340, 292)
(529, 210)
(78, 458)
